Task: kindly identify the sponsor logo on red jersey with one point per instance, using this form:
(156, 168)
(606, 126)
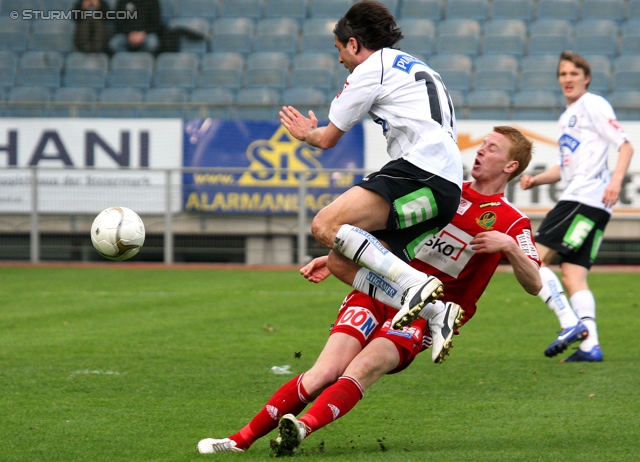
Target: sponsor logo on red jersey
(526, 244)
(487, 220)
(360, 319)
(464, 206)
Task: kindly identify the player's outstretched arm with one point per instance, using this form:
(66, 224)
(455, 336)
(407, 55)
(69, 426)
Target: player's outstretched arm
(316, 270)
(526, 270)
(550, 175)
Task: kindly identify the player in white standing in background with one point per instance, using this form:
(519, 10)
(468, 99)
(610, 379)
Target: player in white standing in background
(574, 227)
(362, 347)
(414, 195)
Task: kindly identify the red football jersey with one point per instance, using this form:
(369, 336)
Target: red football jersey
(448, 254)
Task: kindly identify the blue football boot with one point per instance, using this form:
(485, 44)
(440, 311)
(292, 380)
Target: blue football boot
(591, 356)
(568, 336)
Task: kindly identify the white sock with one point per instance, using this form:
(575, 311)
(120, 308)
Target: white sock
(585, 306)
(553, 295)
(382, 289)
(367, 251)
(432, 309)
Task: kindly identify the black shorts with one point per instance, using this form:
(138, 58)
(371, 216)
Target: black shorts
(575, 231)
(421, 205)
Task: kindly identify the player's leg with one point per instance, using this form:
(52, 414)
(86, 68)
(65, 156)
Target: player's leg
(292, 397)
(386, 352)
(585, 235)
(552, 293)
(358, 321)
(549, 241)
(400, 206)
(366, 281)
(575, 280)
(338, 352)
(378, 357)
(345, 226)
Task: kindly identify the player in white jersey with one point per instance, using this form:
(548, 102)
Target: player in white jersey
(381, 223)
(575, 226)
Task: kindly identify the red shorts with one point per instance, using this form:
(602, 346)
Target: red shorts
(365, 318)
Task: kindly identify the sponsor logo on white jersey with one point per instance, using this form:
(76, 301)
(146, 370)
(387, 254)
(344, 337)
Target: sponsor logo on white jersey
(406, 62)
(568, 141)
(449, 250)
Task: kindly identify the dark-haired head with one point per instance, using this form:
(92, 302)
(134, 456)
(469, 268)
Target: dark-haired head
(371, 24)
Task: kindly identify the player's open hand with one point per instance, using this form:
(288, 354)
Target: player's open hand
(491, 242)
(297, 124)
(316, 270)
(611, 195)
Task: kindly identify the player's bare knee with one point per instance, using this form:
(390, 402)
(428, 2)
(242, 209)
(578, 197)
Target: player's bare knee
(365, 370)
(316, 380)
(322, 231)
(574, 284)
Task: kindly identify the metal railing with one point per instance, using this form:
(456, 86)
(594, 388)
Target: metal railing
(162, 201)
(33, 205)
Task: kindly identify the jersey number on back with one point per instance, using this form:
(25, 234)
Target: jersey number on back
(434, 99)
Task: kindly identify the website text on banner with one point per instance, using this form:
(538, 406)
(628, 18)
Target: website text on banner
(269, 163)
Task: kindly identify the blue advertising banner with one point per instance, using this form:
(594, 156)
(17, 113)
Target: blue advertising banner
(255, 149)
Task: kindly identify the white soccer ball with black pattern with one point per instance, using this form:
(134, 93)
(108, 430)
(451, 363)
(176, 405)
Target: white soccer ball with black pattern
(117, 233)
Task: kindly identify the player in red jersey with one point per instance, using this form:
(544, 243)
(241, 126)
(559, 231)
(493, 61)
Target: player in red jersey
(454, 254)
(363, 346)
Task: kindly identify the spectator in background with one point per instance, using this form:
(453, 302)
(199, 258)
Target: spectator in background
(92, 33)
(141, 33)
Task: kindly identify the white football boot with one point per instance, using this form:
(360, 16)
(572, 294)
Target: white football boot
(211, 445)
(414, 299)
(442, 326)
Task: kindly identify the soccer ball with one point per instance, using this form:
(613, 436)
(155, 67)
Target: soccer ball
(117, 233)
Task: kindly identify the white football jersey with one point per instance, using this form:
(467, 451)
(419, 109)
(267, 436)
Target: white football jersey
(408, 99)
(587, 128)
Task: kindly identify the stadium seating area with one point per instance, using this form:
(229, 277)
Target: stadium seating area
(497, 57)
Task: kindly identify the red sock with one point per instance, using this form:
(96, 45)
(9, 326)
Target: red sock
(291, 398)
(333, 403)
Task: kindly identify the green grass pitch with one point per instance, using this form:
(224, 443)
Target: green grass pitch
(129, 364)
